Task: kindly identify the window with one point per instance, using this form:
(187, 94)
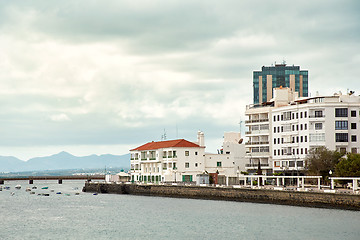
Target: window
(305, 138)
(353, 150)
(187, 165)
(301, 114)
(196, 164)
(293, 116)
(353, 113)
(274, 152)
(278, 117)
(341, 125)
(227, 152)
(297, 127)
(341, 112)
(301, 127)
(353, 138)
(318, 126)
(282, 117)
(297, 115)
(186, 153)
(305, 150)
(282, 128)
(195, 153)
(278, 151)
(341, 137)
(218, 164)
(277, 164)
(305, 126)
(297, 139)
(317, 137)
(301, 139)
(353, 125)
(302, 151)
(274, 140)
(274, 129)
(274, 118)
(305, 114)
(318, 113)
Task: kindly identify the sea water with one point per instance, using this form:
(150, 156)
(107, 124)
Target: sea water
(110, 216)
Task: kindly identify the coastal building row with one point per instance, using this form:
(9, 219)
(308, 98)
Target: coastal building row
(182, 161)
(282, 127)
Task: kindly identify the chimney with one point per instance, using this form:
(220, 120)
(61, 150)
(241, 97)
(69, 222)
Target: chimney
(201, 139)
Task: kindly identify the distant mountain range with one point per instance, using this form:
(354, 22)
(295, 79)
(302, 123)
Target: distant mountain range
(64, 160)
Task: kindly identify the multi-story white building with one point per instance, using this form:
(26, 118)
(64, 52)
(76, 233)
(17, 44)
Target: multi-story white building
(168, 161)
(297, 125)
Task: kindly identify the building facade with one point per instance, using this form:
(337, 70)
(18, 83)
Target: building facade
(268, 78)
(283, 131)
(168, 161)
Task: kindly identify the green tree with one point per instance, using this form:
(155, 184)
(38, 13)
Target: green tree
(349, 166)
(321, 160)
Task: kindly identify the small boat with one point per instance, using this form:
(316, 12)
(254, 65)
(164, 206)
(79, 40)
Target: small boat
(44, 187)
(43, 194)
(52, 190)
(34, 187)
(32, 192)
(7, 188)
(67, 194)
(77, 193)
(28, 189)
(58, 193)
(12, 193)
(18, 186)
(95, 193)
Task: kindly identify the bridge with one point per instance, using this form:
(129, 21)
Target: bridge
(58, 178)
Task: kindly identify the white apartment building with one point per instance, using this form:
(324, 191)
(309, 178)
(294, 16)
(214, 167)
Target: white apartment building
(299, 124)
(168, 161)
(258, 135)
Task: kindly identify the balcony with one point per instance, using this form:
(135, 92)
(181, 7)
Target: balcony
(256, 143)
(257, 154)
(316, 116)
(257, 165)
(265, 132)
(257, 120)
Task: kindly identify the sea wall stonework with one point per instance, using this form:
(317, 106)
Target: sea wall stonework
(307, 199)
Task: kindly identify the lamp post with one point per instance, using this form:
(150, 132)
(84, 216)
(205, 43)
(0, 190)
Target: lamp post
(331, 181)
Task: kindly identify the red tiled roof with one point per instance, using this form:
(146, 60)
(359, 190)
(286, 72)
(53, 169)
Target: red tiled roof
(165, 144)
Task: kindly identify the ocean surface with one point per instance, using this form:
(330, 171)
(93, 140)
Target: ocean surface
(107, 216)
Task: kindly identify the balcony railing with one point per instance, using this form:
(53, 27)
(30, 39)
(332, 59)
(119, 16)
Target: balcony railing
(316, 116)
(257, 120)
(256, 143)
(257, 165)
(253, 154)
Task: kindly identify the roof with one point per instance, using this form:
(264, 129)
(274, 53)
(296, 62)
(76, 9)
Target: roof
(166, 144)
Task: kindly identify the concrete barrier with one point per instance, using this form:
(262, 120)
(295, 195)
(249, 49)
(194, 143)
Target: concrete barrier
(295, 198)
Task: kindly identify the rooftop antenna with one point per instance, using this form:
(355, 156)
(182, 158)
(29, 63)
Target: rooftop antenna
(163, 137)
(240, 123)
(284, 62)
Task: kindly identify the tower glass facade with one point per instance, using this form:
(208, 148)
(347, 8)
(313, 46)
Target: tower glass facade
(268, 78)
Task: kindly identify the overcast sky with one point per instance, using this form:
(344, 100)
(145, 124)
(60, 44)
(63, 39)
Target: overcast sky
(92, 77)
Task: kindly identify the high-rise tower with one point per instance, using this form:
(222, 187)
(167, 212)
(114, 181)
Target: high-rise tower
(268, 78)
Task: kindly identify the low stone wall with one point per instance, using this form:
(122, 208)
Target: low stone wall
(307, 199)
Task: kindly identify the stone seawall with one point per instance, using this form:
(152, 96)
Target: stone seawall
(306, 199)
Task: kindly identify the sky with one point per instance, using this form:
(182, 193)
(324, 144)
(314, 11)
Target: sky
(102, 77)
